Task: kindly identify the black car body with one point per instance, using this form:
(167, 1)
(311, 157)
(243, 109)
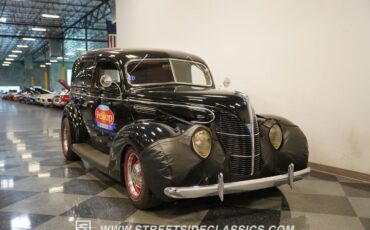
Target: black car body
(154, 120)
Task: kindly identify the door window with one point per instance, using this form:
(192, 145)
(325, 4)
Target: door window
(82, 73)
(109, 69)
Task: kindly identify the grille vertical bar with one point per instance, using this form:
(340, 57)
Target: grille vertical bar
(250, 127)
(240, 142)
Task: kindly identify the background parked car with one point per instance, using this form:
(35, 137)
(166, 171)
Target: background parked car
(40, 93)
(63, 98)
(20, 95)
(47, 99)
(11, 94)
(5, 95)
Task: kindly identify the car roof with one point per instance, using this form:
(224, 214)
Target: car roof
(128, 54)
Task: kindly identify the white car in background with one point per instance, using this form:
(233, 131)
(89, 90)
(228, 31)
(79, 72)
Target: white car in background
(41, 95)
(47, 99)
(56, 98)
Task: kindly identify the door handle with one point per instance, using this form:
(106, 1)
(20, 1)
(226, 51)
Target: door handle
(90, 103)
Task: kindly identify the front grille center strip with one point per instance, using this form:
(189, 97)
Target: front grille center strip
(251, 122)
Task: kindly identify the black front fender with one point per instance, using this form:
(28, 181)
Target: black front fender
(173, 162)
(138, 135)
(294, 148)
(167, 157)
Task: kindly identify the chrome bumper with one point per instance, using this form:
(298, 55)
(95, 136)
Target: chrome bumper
(236, 187)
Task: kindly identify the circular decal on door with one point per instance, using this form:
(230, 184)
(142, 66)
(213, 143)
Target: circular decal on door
(104, 117)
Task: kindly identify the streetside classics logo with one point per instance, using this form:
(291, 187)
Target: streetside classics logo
(86, 225)
(104, 118)
(83, 225)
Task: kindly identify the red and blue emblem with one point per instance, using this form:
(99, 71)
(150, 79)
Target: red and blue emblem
(104, 118)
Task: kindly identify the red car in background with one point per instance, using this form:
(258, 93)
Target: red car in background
(63, 98)
(10, 95)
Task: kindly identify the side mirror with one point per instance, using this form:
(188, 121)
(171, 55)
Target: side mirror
(226, 82)
(106, 80)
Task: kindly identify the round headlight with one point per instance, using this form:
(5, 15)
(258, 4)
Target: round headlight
(276, 136)
(202, 142)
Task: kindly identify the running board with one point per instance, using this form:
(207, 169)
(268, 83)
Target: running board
(92, 155)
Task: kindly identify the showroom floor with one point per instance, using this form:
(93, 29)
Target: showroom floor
(40, 190)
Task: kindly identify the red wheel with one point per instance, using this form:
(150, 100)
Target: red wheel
(133, 175)
(137, 189)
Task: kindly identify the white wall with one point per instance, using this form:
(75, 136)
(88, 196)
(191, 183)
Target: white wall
(307, 60)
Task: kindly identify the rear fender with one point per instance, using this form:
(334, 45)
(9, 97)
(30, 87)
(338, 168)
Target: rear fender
(78, 129)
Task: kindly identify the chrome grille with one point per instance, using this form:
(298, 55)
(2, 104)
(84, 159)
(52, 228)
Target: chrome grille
(236, 141)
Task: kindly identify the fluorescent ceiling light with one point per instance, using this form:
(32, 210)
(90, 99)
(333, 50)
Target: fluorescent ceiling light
(61, 58)
(81, 49)
(47, 63)
(50, 16)
(9, 59)
(70, 54)
(43, 175)
(42, 66)
(17, 51)
(22, 46)
(2, 19)
(38, 29)
(7, 62)
(12, 55)
(53, 61)
(29, 39)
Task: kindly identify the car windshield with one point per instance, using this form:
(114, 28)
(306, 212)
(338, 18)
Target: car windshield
(41, 91)
(168, 71)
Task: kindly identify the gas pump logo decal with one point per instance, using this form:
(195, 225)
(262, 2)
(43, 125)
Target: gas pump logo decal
(104, 118)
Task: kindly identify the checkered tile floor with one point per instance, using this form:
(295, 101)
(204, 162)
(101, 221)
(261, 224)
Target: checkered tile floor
(40, 190)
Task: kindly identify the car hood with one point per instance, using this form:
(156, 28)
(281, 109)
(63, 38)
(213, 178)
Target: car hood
(64, 84)
(48, 95)
(232, 101)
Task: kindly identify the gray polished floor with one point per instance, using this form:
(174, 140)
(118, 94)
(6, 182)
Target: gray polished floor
(40, 190)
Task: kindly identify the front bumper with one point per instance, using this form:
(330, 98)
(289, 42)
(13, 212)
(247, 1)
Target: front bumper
(236, 187)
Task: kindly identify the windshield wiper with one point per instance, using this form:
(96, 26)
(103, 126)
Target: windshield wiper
(138, 63)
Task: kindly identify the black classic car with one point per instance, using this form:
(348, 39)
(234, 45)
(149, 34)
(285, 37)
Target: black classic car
(153, 120)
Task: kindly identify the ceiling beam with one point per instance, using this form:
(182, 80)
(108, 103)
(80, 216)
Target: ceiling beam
(87, 14)
(52, 38)
(30, 7)
(49, 26)
(55, 3)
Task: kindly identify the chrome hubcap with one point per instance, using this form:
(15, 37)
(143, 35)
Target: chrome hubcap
(136, 175)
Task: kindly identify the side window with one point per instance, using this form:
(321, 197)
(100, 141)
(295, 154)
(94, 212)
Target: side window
(110, 69)
(149, 72)
(197, 76)
(82, 73)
